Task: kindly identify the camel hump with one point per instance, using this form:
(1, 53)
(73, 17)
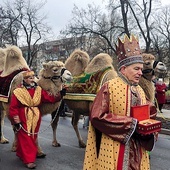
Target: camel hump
(99, 62)
(77, 62)
(148, 56)
(14, 60)
(13, 51)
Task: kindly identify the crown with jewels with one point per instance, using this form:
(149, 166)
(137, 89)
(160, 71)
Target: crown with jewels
(128, 51)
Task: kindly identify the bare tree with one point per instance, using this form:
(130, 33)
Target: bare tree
(137, 18)
(95, 25)
(8, 33)
(161, 35)
(32, 28)
(146, 26)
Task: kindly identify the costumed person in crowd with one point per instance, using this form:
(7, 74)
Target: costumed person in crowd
(160, 95)
(113, 142)
(26, 117)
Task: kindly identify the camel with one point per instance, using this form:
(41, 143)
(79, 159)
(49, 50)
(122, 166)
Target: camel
(11, 76)
(151, 70)
(80, 101)
(76, 63)
(52, 77)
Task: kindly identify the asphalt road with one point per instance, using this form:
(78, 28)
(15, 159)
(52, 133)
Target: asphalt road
(69, 156)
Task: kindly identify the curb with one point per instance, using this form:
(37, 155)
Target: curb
(165, 131)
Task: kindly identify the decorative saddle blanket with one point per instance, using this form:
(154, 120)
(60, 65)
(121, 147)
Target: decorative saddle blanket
(86, 85)
(5, 85)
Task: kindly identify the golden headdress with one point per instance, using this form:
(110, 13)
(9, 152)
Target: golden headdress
(28, 73)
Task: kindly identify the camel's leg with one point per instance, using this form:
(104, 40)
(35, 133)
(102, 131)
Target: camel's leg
(3, 139)
(55, 118)
(14, 144)
(40, 153)
(75, 119)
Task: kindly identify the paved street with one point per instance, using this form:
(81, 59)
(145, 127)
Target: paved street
(69, 156)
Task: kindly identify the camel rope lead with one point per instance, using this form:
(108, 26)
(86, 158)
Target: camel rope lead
(45, 129)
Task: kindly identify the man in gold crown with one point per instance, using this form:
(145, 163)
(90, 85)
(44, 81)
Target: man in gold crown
(113, 142)
(25, 116)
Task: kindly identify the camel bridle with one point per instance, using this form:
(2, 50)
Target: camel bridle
(152, 69)
(56, 77)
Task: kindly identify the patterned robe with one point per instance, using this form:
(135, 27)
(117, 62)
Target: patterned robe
(113, 143)
(25, 103)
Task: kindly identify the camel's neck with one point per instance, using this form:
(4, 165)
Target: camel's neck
(148, 88)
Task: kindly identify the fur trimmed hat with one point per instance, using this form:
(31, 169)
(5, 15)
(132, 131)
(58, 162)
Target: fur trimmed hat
(128, 51)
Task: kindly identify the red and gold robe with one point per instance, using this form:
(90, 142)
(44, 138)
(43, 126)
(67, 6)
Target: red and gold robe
(112, 141)
(25, 104)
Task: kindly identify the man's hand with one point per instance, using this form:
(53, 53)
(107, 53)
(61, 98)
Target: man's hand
(63, 92)
(17, 125)
(16, 119)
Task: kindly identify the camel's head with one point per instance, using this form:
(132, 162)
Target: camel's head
(151, 67)
(55, 70)
(160, 68)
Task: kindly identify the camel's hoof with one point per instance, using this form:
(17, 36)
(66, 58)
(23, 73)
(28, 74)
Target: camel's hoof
(30, 165)
(13, 149)
(82, 145)
(4, 141)
(56, 144)
(41, 155)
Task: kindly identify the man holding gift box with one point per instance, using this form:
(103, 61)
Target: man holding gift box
(113, 141)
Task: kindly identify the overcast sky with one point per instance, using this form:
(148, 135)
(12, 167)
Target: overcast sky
(59, 12)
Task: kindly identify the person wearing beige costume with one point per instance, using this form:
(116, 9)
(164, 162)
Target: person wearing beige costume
(113, 142)
(26, 117)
